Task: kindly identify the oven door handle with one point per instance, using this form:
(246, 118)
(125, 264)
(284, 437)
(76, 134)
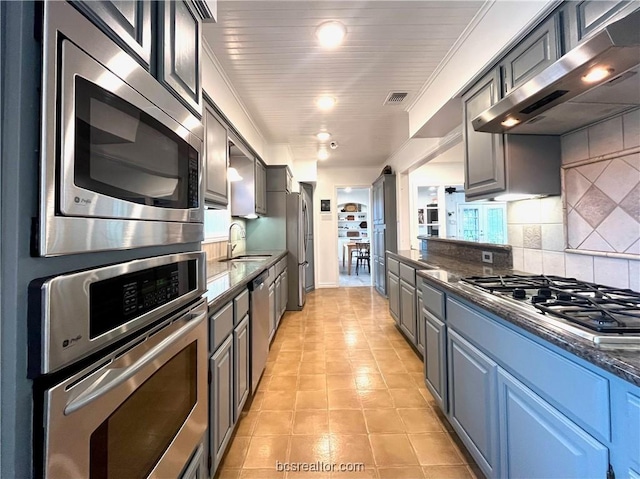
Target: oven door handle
(115, 377)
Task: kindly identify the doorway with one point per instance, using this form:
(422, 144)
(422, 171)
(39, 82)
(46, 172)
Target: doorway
(354, 236)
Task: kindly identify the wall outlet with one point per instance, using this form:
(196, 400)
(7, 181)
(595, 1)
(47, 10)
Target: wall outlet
(487, 257)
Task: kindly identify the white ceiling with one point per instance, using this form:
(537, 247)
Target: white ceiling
(268, 51)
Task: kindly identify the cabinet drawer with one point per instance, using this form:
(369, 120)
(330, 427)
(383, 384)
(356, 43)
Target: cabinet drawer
(433, 300)
(220, 326)
(580, 394)
(241, 306)
(408, 274)
(394, 266)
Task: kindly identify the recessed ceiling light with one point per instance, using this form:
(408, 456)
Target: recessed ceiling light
(509, 122)
(347, 189)
(597, 74)
(326, 102)
(323, 154)
(331, 34)
(323, 136)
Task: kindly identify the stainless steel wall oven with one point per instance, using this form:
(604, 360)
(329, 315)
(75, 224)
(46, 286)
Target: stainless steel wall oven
(121, 157)
(129, 397)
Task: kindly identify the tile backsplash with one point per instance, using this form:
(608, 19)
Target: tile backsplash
(599, 211)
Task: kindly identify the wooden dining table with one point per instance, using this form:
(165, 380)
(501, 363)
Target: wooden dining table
(346, 253)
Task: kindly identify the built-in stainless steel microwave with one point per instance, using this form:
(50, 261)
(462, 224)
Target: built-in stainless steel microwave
(121, 157)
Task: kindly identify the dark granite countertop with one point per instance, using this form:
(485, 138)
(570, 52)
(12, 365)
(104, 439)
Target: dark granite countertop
(225, 279)
(624, 363)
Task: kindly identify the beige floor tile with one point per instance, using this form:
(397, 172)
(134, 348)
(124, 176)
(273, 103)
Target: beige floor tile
(263, 452)
(356, 471)
(285, 369)
(447, 472)
(350, 448)
(340, 381)
(435, 449)
(408, 398)
(392, 450)
(267, 473)
(409, 472)
(343, 399)
(391, 366)
(375, 398)
(247, 423)
(311, 400)
(274, 423)
(255, 403)
(236, 453)
(279, 400)
(370, 381)
(338, 367)
(308, 475)
(420, 420)
(347, 421)
(313, 356)
(282, 383)
(312, 382)
(313, 367)
(227, 473)
(399, 381)
(311, 448)
(309, 422)
(383, 420)
(288, 356)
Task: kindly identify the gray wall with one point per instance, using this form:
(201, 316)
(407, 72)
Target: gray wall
(19, 127)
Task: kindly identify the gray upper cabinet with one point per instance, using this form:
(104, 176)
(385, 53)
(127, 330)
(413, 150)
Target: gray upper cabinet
(128, 23)
(483, 152)
(582, 19)
(180, 46)
(279, 178)
(261, 188)
(216, 160)
(535, 53)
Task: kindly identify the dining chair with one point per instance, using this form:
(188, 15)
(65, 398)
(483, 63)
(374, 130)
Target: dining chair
(363, 254)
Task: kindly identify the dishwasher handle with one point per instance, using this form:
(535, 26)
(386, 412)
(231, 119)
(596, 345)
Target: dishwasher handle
(258, 283)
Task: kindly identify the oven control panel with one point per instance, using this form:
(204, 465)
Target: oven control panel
(116, 301)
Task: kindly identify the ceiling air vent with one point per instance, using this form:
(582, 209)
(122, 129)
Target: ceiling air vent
(395, 97)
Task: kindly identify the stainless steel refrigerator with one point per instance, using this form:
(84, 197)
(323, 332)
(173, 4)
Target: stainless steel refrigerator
(287, 226)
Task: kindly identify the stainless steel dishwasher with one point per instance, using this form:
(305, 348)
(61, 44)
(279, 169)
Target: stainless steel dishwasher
(259, 322)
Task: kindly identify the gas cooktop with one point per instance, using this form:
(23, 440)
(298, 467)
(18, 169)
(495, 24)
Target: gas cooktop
(610, 317)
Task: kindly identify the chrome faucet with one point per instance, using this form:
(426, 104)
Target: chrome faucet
(230, 245)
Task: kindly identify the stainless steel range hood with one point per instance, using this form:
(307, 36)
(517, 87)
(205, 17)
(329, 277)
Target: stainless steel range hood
(562, 92)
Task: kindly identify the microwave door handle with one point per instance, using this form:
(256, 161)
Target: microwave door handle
(115, 377)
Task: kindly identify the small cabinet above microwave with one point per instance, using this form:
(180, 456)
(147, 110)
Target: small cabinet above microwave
(162, 36)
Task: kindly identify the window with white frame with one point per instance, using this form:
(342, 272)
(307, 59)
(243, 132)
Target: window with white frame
(216, 225)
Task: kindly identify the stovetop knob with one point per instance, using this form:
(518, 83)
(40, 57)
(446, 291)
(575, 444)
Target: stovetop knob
(546, 292)
(519, 293)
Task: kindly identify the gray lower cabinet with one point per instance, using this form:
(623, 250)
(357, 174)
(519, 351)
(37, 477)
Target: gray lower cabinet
(278, 295)
(435, 358)
(284, 293)
(216, 160)
(472, 378)
(127, 23)
(393, 291)
(539, 441)
(408, 310)
(222, 412)
(241, 365)
(180, 46)
(419, 323)
(272, 310)
(196, 469)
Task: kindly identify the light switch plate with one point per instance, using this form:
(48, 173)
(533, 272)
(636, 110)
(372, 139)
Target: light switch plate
(487, 257)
